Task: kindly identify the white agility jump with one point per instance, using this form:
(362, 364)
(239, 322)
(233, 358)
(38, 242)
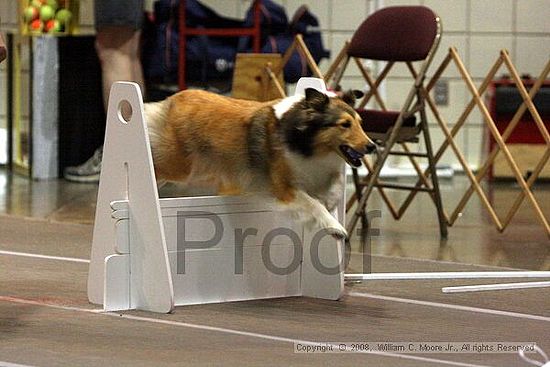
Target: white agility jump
(136, 262)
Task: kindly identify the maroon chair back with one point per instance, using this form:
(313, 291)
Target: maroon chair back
(397, 33)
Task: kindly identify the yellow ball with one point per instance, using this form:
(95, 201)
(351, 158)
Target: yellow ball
(64, 16)
(30, 13)
(46, 13)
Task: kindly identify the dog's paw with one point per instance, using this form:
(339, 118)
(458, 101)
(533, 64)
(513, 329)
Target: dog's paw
(332, 226)
(339, 233)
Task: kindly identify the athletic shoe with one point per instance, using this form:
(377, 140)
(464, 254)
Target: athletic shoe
(87, 172)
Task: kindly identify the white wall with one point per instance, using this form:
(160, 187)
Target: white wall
(478, 28)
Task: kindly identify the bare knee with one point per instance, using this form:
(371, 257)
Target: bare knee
(117, 42)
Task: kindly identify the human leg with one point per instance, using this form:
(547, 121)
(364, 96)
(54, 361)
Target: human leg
(118, 25)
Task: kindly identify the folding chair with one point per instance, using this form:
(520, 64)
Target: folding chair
(402, 34)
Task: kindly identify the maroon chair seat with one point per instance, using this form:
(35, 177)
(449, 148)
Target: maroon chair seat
(376, 121)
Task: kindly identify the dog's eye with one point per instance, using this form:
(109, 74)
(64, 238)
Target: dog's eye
(347, 124)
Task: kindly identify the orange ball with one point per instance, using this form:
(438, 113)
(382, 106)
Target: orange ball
(36, 25)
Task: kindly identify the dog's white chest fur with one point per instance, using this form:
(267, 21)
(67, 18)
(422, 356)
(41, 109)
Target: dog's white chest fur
(315, 175)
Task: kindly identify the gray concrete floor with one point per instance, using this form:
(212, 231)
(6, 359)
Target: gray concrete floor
(46, 320)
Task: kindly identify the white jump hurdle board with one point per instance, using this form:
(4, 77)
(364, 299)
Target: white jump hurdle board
(209, 274)
(136, 262)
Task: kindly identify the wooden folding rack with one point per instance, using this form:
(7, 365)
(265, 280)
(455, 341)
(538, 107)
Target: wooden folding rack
(477, 101)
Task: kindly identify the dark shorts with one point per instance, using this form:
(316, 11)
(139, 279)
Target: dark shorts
(121, 13)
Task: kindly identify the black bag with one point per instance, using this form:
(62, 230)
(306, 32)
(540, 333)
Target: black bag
(207, 57)
(278, 35)
(213, 58)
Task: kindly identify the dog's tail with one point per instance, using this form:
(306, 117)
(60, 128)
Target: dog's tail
(156, 114)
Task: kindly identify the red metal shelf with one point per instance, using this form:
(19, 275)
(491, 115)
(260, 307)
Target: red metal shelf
(185, 31)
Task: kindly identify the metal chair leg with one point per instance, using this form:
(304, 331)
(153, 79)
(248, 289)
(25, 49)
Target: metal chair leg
(431, 164)
(362, 203)
(358, 195)
(390, 142)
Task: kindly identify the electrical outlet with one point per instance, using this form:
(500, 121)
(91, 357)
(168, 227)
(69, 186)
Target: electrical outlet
(441, 92)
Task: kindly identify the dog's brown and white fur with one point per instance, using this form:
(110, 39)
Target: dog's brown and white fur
(291, 148)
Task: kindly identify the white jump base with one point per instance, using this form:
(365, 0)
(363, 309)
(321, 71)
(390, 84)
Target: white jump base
(134, 262)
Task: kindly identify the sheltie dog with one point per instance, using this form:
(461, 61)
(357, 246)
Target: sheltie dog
(291, 148)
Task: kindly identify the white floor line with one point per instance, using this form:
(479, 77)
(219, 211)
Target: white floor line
(230, 331)
(48, 257)
(451, 306)
(8, 364)
(50, 305)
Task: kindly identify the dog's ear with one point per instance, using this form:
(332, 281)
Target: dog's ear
(316, 100)
(351, 96)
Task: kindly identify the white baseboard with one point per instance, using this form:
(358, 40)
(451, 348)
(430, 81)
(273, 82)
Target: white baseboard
(3, 146)
(443, 171)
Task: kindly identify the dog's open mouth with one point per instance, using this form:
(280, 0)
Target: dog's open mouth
(351, 156)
